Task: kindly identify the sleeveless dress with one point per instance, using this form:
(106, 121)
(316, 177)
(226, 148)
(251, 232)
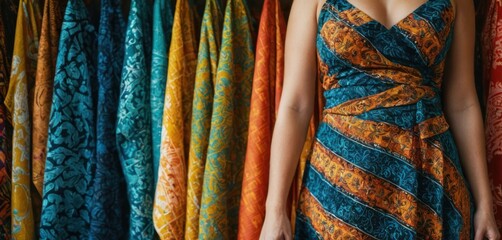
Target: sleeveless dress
(384, 164)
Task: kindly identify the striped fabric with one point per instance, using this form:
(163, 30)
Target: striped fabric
(384, 163)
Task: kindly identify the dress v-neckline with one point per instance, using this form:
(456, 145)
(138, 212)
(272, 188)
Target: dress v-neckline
(379, 22)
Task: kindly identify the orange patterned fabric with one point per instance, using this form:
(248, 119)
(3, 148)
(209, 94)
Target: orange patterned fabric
(267, 88)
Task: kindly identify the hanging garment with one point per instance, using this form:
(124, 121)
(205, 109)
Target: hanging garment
(170, 199)
(229, 123)
(386, 109)
(207, 63)
(8, 17)
(267, 89)
(109, 200)
(492, 78)
(24, 65)
(71, 143)
(161, 40)
(8, 13)
(41, 106)
(5, 174)
(134, 138)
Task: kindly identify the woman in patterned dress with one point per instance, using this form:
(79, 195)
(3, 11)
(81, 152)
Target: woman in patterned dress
(399, 152)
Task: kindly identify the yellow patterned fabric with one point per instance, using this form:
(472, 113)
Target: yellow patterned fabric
(170, 200)
(207, 64)
(17, 101)
(229, 127)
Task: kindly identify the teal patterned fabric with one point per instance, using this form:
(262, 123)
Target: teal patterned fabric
(109, 206)
(72, 141)
(161, 40)
(134, 138)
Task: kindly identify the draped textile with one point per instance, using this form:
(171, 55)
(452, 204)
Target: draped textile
(71, 141)
(134, 138)
(8, 17)
(8, 13)
(42, 95)
(170, 200)
(5, 174)
(229, 127)
(109, 200)
(492, 79)
(17, 101)
(266, 93)
(162, 27)
(207, 63)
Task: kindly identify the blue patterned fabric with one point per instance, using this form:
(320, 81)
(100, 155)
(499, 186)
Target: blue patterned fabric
(134, 138)
(72, 141)
(109, 207)
(384, 164)
(161, 40)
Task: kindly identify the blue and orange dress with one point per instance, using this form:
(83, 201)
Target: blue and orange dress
(384, 163)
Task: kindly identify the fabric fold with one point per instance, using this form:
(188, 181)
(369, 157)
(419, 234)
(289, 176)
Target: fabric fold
(71, 143)
(161, 40)
(266, 92)
(229, 127)
(17, 101)
(42, 95)
(109, 200)
(207, 63)
(170, 199)
(8, 16)
(133, 133)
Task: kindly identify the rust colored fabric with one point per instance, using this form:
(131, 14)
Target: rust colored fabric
(266, 93)
(492, 79)
(42, 94)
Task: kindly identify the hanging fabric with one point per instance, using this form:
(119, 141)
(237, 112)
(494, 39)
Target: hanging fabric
(170, 200)
(17, 101)
(267, 89)
(207, 63)
(161, 40)
(8, 13)
(71, 141)
(8, 17)
(229, 123)
(492, 74)
(41, 107)
(109, 200)
(134, 137)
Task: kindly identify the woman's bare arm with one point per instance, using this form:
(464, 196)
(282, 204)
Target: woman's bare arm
(297, 101)
(464, 114)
